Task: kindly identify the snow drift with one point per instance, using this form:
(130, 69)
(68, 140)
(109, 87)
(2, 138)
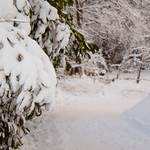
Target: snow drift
(139, 115)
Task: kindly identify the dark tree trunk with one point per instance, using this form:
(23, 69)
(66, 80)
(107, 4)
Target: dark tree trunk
(78, 13)
(139, 73)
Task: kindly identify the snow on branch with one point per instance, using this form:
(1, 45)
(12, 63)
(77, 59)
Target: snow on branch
(50, 33)
(25, 70)
(15, 20)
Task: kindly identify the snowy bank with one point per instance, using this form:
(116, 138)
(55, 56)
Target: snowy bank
(139, 115)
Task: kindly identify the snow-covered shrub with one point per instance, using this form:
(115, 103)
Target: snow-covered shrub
(48, 31)
(96, 65)
(27, 77)
(27, 81)
(54, 31)
(78, 48)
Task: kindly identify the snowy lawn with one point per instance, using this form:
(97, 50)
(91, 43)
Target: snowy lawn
(87, 115)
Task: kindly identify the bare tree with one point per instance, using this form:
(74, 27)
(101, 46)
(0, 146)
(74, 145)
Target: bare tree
(79, 12)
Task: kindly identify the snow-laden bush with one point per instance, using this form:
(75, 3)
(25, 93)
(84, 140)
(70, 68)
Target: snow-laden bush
(48, 31)
(91, 67)
(27, 81)
(25, 65)
(27, 77)
(96, 65)
(77, 48)
(53, 32)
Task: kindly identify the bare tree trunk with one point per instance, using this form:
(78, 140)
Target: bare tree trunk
(78, 13)
(139, 73)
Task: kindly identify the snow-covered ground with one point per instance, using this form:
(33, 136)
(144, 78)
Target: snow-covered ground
(90, 115)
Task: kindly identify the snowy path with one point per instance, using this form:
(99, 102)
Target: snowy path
(86, 116)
